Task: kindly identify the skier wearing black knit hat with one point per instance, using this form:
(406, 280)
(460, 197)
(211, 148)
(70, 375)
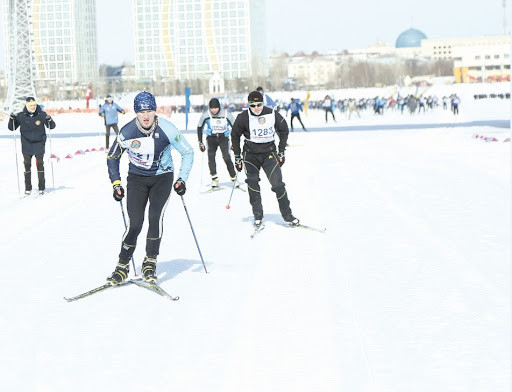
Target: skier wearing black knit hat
(216, 123)
(259, 125)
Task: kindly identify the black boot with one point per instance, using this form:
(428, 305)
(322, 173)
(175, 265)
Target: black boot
(149, 269)
(120, 273)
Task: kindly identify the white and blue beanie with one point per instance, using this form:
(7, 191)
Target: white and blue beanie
(144, 101)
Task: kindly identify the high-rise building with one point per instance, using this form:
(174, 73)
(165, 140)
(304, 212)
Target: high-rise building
(193, 39)
(64, 42)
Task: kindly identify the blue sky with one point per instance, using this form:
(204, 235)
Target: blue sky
(295, 25)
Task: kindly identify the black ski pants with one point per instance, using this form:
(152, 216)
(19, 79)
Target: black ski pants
(140, 190)
(27, 162)
(253, 163)
(298, 117)
(329, 111)
(107, 133)
(214, 141)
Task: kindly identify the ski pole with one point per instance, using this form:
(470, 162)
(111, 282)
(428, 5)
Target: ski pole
(51, 154)
(202, 160)
(194, 234)
(126, 227)
(232, 190)
(16, 155)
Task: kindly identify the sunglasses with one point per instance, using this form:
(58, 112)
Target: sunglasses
(256, 105)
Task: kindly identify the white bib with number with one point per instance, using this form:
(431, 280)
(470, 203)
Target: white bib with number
(262, 128)
(218, 125)
(141, 152)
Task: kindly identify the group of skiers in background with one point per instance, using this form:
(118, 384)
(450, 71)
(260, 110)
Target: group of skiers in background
(349, 107)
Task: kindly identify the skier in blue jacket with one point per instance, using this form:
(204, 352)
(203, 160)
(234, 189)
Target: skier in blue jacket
(109, 112)
(295, 107)
(148, 140)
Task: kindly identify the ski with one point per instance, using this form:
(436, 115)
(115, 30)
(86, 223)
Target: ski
(257, 229)
(213, 189)
(300, 225)
(154, 288)
(94, 291)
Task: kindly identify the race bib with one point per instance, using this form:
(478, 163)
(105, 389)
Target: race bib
(262, 128)
(218, 125)
(142, 152)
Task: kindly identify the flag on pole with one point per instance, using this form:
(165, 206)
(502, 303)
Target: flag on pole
(306, 104)
(187, 106)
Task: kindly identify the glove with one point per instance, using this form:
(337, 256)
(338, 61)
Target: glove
(101, 114)
(202, 147)
(239, 164)
(179, 187)
(123, 112)
(280, 158)
(118, 192)
(12, 116)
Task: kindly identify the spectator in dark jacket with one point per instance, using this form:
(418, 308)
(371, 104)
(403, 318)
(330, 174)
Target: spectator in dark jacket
(32, 121)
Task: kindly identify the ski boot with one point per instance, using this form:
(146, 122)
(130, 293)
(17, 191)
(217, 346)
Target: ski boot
(258, 222)
(234, 181)
(291, 220)
(120, 273)
(149, 269)
(215, 181)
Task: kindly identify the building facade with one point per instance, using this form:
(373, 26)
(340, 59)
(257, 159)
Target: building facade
(194, 39)
(476, 59)
(64, 45)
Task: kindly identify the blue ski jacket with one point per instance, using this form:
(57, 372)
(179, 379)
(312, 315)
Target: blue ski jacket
(109, 110)
(150, 155)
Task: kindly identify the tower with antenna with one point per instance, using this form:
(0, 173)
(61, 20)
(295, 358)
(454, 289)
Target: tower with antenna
(19, 59)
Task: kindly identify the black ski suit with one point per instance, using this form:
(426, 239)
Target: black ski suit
(259, 152)
(33, 139)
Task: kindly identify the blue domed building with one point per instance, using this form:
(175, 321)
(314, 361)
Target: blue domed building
(410, 39)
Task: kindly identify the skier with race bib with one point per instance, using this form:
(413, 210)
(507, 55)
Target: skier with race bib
(148, 140)
(216, 123)
(259, 125)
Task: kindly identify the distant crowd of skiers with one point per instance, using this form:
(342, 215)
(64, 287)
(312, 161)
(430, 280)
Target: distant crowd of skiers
(351, 106)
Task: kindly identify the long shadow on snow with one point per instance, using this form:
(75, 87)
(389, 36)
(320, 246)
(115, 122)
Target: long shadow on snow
(173, 268)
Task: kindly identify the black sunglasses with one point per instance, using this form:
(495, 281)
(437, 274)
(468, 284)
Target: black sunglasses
(255, 105)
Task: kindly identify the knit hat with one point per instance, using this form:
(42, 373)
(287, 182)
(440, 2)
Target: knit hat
(214, 103)
(144, 101)
(255, 97)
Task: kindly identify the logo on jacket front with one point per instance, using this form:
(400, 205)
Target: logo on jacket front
(261, 120)
(38, 122)
(135, 144)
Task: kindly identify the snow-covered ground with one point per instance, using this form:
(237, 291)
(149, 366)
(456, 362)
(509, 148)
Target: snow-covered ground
(408, 290)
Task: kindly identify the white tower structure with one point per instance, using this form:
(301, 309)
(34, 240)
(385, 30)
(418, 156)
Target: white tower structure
(19, 60)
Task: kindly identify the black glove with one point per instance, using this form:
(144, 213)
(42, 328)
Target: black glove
(48, 117)
(179, 187)
(101, 114)
(202, 147)
(239, 164)
(118, 192)
(280, 158)
(12, 116)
